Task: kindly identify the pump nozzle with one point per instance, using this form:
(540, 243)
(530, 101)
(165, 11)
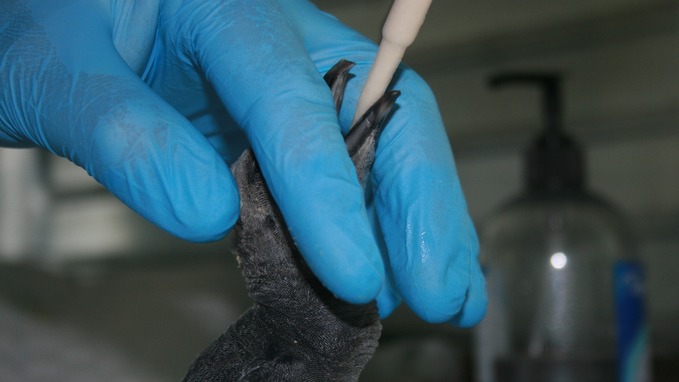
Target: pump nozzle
(550, 83)
(554, 161)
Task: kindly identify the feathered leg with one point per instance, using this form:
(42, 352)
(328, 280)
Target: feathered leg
(296, 330)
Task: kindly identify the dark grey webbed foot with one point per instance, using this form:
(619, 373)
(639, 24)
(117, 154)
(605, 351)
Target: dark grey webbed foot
(296, 330)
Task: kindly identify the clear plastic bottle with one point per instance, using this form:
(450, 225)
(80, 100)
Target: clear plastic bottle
(565, 290)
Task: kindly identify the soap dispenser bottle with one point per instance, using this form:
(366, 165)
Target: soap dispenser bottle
(566, 293)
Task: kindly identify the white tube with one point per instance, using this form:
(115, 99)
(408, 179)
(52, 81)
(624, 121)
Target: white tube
(399, 31)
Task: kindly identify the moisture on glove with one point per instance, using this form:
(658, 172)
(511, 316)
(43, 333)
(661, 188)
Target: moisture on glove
(296, 330)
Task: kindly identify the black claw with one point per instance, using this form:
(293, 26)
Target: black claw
(371, 122)
(337, 78)
(361, 141)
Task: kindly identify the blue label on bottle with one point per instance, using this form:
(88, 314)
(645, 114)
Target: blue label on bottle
(633, 348)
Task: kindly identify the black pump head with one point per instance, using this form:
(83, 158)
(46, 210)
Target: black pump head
(554, 162)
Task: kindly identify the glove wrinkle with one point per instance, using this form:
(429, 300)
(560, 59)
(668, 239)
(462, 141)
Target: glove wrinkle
(296, 330)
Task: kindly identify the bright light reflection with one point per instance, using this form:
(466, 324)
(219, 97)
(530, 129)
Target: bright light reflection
(558, 260)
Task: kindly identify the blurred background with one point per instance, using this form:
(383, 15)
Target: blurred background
(90, 291)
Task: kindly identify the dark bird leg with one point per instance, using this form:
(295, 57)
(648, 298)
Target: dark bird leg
(296, 330)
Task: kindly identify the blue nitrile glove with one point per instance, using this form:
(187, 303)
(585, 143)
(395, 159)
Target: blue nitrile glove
(112, 85)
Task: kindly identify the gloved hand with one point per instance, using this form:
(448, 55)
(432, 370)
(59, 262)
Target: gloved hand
(141, 95)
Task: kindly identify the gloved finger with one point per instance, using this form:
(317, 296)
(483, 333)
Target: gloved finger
(476, 300)
(75, 96)
(433, 263)
(153, 159)
(418, 192)
(389, 297)
(266, 80)
(431, 241)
